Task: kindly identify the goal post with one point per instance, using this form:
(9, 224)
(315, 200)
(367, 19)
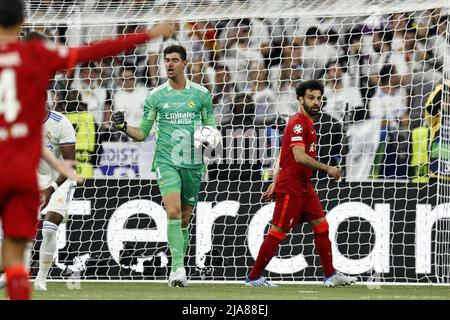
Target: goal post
(379, 61)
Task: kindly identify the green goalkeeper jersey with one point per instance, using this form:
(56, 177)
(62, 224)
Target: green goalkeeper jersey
(177, 113)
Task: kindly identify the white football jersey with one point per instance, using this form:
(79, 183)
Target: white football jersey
(57, 131)
(131, 103)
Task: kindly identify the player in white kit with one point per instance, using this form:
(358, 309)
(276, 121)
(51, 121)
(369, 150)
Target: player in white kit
(56, 190)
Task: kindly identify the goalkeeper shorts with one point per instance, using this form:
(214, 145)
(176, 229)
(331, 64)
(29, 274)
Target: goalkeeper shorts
(185, 181)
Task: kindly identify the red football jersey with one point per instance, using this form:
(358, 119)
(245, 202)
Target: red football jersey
(295, 178)
(25, 71)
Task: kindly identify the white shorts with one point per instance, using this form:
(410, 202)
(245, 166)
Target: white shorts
(60, 199)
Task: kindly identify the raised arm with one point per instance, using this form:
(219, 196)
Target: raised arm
(110, 47)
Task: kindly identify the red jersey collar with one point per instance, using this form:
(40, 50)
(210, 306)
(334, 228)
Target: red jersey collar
(307, 119)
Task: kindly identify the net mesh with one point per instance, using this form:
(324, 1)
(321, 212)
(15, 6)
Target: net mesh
(379, 61)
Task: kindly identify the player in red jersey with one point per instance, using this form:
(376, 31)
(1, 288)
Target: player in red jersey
(296, 199)
(25, 71)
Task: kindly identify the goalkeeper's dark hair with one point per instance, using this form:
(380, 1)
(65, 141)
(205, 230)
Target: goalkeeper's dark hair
(308, 85)
(175, 48)
(12, 12)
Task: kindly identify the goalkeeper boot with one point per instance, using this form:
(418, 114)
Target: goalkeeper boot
(40, 285)
(2, 281)
(178, 278)
(260, 282)
(338, 279)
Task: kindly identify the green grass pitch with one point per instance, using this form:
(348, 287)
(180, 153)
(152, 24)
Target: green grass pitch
(208, 291)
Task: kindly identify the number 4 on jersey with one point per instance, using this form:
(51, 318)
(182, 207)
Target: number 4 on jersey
(9, 105)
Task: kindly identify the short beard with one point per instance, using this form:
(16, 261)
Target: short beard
(310, 111)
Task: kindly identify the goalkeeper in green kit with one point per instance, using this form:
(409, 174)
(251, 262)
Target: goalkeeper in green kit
(178, 107)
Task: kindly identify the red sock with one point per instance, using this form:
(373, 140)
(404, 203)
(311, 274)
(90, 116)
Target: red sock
(266, 252)
(323, 246)
(17, 284)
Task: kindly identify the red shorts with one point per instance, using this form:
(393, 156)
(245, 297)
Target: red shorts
(290, 210)
(19, 209)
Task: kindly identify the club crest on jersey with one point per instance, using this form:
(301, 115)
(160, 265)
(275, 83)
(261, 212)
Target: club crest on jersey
(191, 104)
(298, 129)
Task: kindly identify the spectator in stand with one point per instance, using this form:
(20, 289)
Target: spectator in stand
(323, 24)
(341, 99)
(286, 95)
(398, 23)
(136, 57)
(241, 58)
(441, 46)
(203, 40)
(243, 113)
(291, 59)
(258, 34)
(263, 96)
(223, 96)
(424, 77)
(198, 74)
(108, 72)
(319, 48)
(86, 148)
(427, 24)
(97, 98)
(354, 59)
(285, 78)
(389, 108)
(384, 54)
(388, 105)
(129, 97)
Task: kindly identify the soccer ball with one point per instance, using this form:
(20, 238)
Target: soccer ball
(207, 137)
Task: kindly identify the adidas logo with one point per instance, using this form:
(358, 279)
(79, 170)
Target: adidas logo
(191, 199)
(165, 106)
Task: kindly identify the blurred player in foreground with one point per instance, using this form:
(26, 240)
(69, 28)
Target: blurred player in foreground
(25, 70)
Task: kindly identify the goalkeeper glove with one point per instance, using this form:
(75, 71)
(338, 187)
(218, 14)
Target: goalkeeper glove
(119, 121)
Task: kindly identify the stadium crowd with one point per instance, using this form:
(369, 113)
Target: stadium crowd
(378, 72)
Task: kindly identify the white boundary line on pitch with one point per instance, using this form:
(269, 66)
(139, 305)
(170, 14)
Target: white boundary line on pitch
(370, 283)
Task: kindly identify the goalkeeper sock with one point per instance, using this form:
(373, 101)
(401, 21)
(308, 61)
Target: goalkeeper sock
(176, 243)
(323, 246)
(47, 250)
(17, 284)
(266, 252)
(185, 239)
